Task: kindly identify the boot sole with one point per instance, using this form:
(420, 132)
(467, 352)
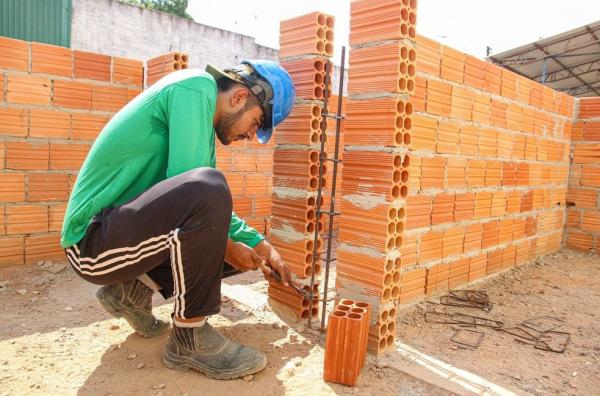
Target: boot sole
(183, 363)
(110, 305)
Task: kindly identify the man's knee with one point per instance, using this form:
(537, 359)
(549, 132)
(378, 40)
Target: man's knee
(209, 185)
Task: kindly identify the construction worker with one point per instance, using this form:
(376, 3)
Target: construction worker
(150, 213)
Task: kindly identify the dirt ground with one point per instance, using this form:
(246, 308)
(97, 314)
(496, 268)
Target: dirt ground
(56, 339)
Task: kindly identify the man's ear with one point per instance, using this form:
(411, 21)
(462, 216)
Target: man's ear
(239, 97)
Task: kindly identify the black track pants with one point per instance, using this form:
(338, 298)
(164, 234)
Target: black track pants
(175, 232)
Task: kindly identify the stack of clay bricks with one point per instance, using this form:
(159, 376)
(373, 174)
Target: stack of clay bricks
(583, 197)
(488, 170)
(305, 44)
(157, 68)
(346, 343)
(378, 128)
(53, 103)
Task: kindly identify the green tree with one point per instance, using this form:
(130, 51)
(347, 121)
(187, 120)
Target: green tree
(176, 7)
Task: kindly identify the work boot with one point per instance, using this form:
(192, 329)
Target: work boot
(204, 349)
(132, 301)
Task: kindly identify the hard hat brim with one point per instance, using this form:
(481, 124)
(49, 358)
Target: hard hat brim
(264, 134)
(218, 73)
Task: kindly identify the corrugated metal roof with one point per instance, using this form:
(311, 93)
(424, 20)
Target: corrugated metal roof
(45, 21)
(568, 62)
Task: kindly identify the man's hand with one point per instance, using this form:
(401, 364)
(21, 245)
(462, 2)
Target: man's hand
(273, 259)
(241, 256)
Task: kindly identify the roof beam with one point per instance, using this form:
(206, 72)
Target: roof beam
(561, 75)
(560, 39)
(536, 45)
(587, 62)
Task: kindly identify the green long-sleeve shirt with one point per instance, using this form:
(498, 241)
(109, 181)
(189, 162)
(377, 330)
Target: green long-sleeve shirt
(165, 131)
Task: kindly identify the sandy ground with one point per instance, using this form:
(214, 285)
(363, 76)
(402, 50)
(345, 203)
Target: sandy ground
(56, 339)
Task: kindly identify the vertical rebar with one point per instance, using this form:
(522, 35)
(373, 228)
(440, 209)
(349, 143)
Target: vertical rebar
(338, 121)
(322, 157)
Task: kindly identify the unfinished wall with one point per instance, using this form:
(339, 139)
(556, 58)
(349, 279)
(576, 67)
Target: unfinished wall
(53, 103)
(489, 168)
(142, 34)
(583, 197)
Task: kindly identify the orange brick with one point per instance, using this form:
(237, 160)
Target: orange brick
(56, 214)
(27, 156)
(414, 171)
(72, 94)
(464, 206)
(432, 172)
(47, 187)
(583, 198)
(474, 72)
(590, 176)
(438, 98)
(419, 211)
(483, 204)
(498, 204)
(242, 206)
(67, 156)
(505, 231)
(26, 219)
(49, 124)
(262, 206)
(423, 133)
(43, 247)
(498, 113)
(482, 110)
(469, 139)
(51, 59)
(86, 126)
(447, 137)
(461, 103)
(453, 64)
(580, 240)
(257, 184)
(133, 93)
(108, 98)
(475, 173)
(523, 89)
(473, 237)
(1, 87)
(442, 209)
(518, 147)
(590, 221)
(244, 162)
(28, 89)
(13, 122)
(492, 78)
(419, 98)
(235, 182)
(490, 234)
(493, 173)
(457, 172)
(12, 187)
(453, 242)
(429, 55)
(508, 87)
(15, 54)
(11, 251)
(92, 66)
(128, 71)
(430, 247)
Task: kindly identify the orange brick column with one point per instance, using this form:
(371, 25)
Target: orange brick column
(583, 198)
(53, 103)
(305, 42)
(381, 79)
(160, 66)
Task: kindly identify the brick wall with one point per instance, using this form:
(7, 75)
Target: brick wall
(583, 197)
(53, 103)
(488, 172)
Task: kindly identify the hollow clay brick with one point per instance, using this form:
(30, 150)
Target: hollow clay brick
(51, 59)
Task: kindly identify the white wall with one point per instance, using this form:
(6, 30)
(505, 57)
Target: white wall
(114, 28)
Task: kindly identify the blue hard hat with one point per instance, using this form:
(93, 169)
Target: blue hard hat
(270, 83)
(282, 99)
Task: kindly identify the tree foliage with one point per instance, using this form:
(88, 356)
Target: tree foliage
(176, 7)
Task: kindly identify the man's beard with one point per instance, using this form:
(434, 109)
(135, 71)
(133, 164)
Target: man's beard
(225, 126)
